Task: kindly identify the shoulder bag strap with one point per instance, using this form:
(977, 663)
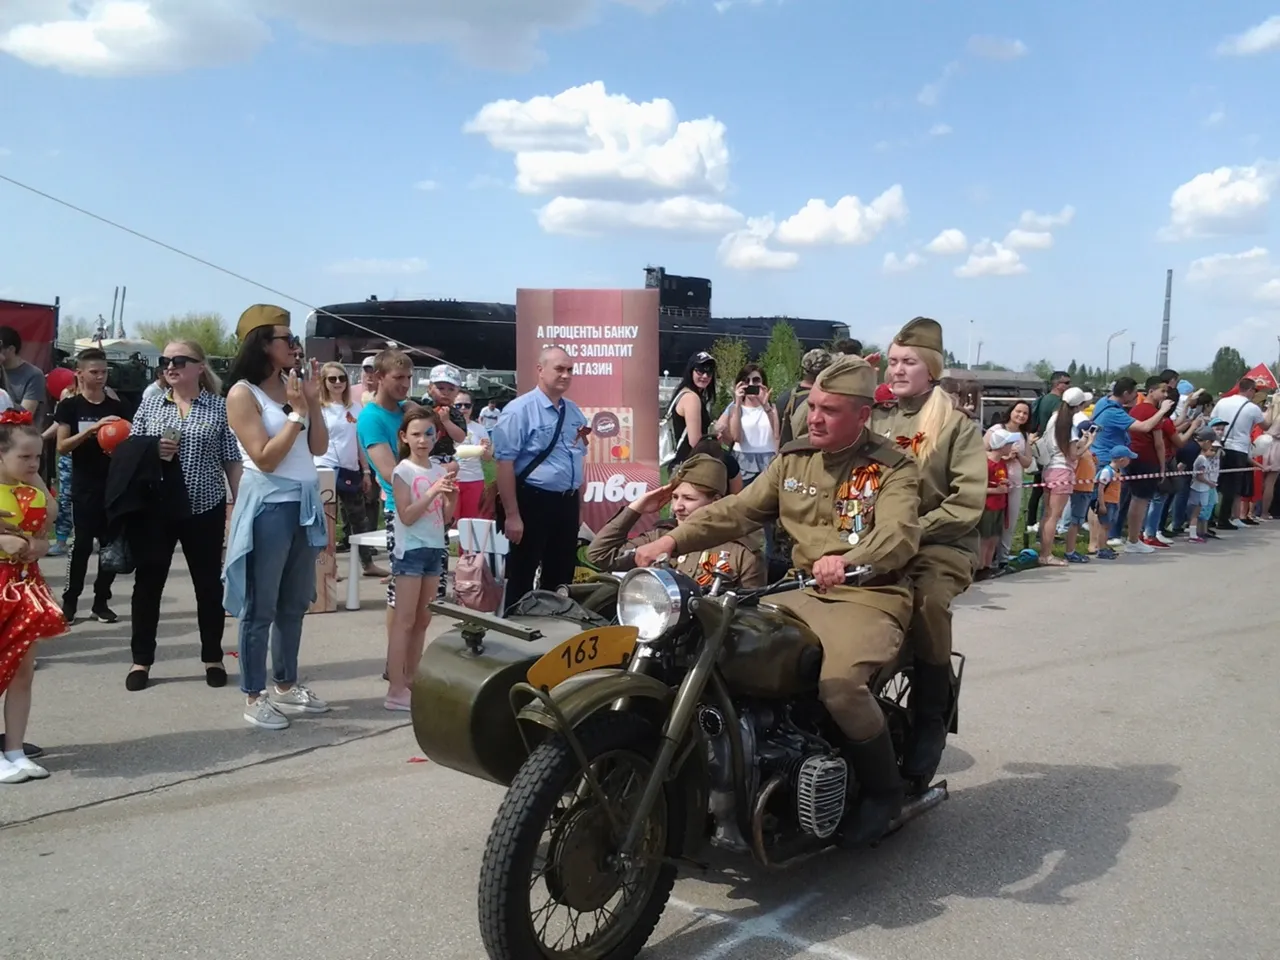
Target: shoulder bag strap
(546, 451)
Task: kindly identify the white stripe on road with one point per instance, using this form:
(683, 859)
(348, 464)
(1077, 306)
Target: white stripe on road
(766, 926)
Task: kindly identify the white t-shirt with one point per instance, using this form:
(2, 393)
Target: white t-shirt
(343, 447)
(757, 431)
(152, 391)
(1241, 427)
(1057, 456)
(428, 531)
(297, 463)
(6, 401)
(471, 469)
(489, 417)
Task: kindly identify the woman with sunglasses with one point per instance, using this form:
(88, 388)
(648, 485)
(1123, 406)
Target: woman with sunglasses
(690, 409)
(751, 422)
(472, 504)
(192, 407)
(347, 460)
(278, 525)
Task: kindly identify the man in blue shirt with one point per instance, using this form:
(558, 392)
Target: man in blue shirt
(539, 445)
(1114, 425)
(378, 433)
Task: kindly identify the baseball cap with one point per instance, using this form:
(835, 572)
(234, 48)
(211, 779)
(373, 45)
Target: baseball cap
(1217, 422)
(443, 373)
(367, 363)
(1206, 433)
(1074, 397)
(815, 361)
(1120, 451)
(702, 357)
(1002, 438)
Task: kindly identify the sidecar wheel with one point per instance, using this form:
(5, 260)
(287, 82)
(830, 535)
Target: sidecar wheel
(549, 870)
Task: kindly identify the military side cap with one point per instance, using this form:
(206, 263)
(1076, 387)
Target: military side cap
(261, 315)
(848, 376)
(921, 332)
(704, 471)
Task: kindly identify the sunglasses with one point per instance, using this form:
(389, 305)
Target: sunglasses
(176, 362)
(339, 379)
(288, 338)
(462, 406)
(707, 369)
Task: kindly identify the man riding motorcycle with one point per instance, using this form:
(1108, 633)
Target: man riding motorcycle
(846, 497)
(948, 448)
(696, 484)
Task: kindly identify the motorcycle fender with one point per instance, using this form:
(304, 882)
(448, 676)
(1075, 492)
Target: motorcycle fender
(579, 697)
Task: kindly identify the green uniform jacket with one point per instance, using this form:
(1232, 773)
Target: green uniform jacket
(861, 503)
(953, 481)
(736, 560)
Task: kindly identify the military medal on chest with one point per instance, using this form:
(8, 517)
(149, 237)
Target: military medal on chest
(855, 503)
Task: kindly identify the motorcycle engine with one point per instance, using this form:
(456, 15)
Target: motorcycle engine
(814, 776)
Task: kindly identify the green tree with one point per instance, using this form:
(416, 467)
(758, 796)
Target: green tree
(1228, 367)
(206, 329)
(1041, 368)
(1072, 370)
(731, 355)
(71, 328)
(1135, 370)
(781, 358)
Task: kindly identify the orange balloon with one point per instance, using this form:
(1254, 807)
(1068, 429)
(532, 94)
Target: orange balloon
(111, 435)
(624, 452)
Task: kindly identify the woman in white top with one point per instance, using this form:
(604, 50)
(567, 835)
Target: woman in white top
(278, 524)
(471, 499)
(1016, 424)
(354, 481)
(751, 422)
(1059, 453)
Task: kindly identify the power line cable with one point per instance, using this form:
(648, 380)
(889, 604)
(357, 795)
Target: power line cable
(241, 277)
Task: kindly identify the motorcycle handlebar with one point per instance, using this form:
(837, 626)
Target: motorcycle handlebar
(852, 577)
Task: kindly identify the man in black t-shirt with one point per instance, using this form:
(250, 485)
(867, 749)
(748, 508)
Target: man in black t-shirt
(78, 419)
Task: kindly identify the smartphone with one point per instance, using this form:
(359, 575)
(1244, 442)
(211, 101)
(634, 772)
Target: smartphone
(172, 434)
(753, 390)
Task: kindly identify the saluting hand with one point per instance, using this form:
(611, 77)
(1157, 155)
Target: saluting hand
(829, 572)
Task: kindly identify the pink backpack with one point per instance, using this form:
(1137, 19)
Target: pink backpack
(474, 585)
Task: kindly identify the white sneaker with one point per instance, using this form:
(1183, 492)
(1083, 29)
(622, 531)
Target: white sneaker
(1033, 528)
(1165, 539)
(32, 769)
(1115, 542)
(12, 773)
(298, 699)
(1139, 547)
(264, 714)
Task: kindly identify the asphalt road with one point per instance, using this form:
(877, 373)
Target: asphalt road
(1113, 796)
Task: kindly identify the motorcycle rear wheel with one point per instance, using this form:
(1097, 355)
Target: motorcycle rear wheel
(573, 867)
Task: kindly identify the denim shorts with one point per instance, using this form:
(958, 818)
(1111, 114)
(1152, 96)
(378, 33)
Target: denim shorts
(1201, 503)
(1079, 512)
(422, 562)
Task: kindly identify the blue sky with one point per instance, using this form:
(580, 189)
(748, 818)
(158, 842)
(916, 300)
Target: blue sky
(335, 149)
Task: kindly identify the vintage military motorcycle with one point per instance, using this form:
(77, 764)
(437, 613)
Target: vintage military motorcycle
(627, 748)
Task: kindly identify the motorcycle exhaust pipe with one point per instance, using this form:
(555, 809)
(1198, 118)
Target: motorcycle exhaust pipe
(920, 804)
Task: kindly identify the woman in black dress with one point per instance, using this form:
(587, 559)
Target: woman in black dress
(691, 414)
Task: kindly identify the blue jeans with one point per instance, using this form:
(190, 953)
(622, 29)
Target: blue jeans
(280, 583)
(1179, 517)
(1121, 513)
(1155, 512)
(63, 526)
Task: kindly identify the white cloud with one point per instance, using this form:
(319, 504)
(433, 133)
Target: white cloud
(849, 222)
(1215, 118)
(1257, 39)
(374, 267)
(1224, 202)
(1028, 239)
(990, 259)
(588, 142)
(940, 130)
(675, 215)
(996, 48)
(895, 264)
(948, 243)
(748, 248)
(426, 186)
(723, 6)
(5, 152)
(1220, 266)
(130, 37)
(1030, 220)
(1269, 292)
(930, 92)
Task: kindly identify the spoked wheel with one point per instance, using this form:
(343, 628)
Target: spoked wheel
(552, 884)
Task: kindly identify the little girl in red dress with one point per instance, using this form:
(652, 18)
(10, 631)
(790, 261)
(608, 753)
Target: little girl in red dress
(28, 612)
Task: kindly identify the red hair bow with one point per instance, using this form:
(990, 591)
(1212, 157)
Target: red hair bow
(15, 416)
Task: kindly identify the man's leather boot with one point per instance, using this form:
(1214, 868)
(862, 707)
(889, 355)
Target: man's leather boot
(931, 705)
(880, 791)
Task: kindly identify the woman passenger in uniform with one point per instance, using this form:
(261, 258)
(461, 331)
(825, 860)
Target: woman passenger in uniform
(947, 446)
(699, 481)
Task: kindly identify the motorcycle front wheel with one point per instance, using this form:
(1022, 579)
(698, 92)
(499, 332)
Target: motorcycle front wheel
(551, 883)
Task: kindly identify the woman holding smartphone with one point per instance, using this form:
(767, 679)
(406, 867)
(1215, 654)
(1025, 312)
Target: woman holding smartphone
(190, 418)
(751, 422)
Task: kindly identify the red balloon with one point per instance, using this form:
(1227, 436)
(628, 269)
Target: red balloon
(111, 435)
(57, 380)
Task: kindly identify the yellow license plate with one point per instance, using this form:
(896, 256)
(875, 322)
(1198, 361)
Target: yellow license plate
(589, 650)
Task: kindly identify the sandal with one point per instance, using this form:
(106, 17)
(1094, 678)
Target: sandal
(1052, 562)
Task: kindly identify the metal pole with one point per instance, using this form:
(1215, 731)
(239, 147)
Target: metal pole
(978, 359)
(1118, 333)
(1162, 355)
(1132, 344)
(119, 332)
(969, 355)
(115, 297)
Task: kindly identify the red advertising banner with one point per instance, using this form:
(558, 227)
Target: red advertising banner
(35, 324)
(612, 336)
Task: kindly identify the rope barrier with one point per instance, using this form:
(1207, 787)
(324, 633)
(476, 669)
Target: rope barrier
(1126, 477)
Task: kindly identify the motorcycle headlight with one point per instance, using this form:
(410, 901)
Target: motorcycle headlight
(652, 601)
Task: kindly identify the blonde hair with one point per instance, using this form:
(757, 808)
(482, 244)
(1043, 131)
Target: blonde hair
(332, 366)
(208, 379)
(938, 409)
